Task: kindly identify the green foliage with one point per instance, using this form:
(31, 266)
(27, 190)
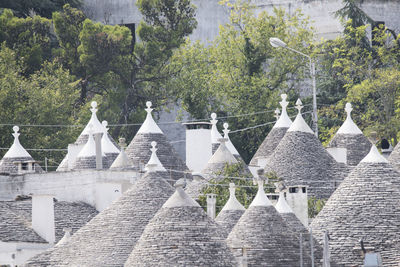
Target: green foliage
(29, 37)
(240, 72)
(43, 8)
(45, 97)
(315, 206)
(363, 75)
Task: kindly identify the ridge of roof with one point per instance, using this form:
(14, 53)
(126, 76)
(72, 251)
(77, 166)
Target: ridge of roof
(17, 150)
(222, 155)
(89, 149)
(180, 198)
(283, 121)
(261, 198)
(349, 127)
(232, 203)
(299, 124)
(106, 145)
(374, 156)
(149, 125)
(282, 206)
(229, 144)
(94, 121)
(215, 135)
(154, 164)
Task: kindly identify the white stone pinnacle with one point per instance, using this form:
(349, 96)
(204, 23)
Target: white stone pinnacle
(16, 150)
(180, 198)
(299, 124)
(349, 127)
(94, 121)
(154, 163)
(277, 112)
(261, 199)
(106, 145)
(232, 203)
(149, 125)
(282, 206)
(215, 135)
(89, 149)
(229, 144)
(283, 121)
(374, 156)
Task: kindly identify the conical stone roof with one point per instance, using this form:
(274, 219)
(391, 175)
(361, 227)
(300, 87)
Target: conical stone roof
(95, 126)
(300, 159)
(16, 153)
(365, 206)
(109, 238)
(266, 237)
(349, 136)
(139, 148)
(181, 234)
(231, 212)
(275, 135)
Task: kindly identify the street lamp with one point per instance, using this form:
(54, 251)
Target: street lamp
(276, 42)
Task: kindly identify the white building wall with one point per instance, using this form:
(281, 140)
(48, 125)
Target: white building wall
(17, 253)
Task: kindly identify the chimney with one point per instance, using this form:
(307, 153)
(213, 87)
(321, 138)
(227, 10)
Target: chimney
(198, 145)
(211, 201)
(43, 217)
(99, 155)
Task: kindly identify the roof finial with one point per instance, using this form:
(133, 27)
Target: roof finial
(277, 112)
(94, 107)
(299, 105)
(232, 189)
(348, 110)
(105, 124)
(284, 103)
(148, 105)
(122, 142)
(154, 163)
(180, 183)
(214, 118)
(226, 131)
(16, 133)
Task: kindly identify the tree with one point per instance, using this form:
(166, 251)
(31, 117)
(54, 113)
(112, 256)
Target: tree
(29, 37)
(46, 97)
(240, 73)
(43, 8)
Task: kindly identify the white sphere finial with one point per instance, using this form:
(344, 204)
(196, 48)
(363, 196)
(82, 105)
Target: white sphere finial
(90, 129)
(284, 103)
(105, 124)
(15, 129)
(180, 183)
(148, 104)
(232, 188)
(213, 116)
(226, 125)
(226, 130)
(348, 109)
(148, 109)
(299, 105)
(153, 144)
(153, 148)
(94, 107)
(277, 112)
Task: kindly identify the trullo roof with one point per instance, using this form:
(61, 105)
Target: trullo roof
(181, 234)
(365, 206)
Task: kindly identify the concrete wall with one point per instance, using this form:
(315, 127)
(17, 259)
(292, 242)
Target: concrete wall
(68, 186)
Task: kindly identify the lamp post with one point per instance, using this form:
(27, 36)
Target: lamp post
(276, 42)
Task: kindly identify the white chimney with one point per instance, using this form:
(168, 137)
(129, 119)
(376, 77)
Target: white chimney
(99, 154)
(297, 198)
(43, 217)
(198, 145)
(211, 205)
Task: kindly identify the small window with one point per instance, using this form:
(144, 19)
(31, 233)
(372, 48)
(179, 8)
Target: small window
(24, 166)
(33, 166)
(293, 189)
(304, 189)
